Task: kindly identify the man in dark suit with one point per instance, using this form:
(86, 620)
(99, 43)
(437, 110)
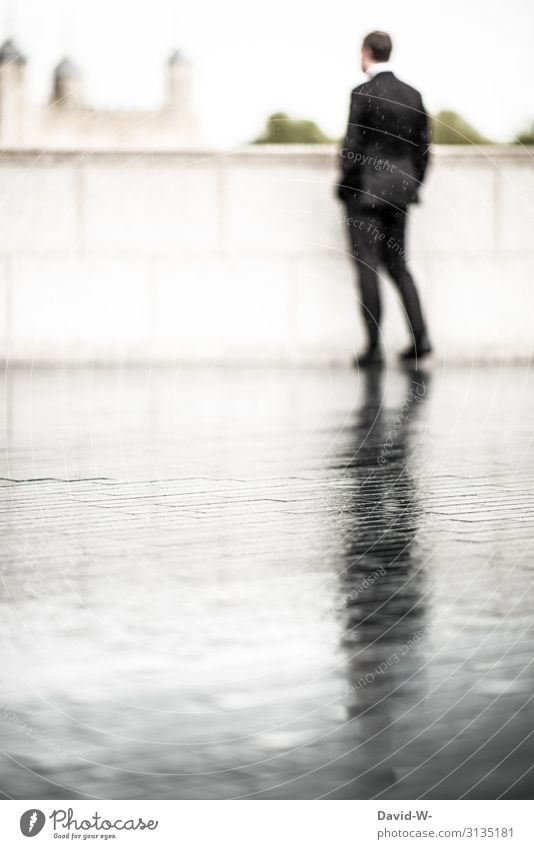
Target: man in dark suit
(383, 161)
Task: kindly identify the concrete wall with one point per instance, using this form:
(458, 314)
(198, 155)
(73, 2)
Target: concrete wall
(243, 257)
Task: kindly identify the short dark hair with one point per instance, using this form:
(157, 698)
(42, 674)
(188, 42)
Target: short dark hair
(379, 43)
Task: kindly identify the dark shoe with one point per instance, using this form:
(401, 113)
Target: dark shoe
(371, 357)
(417, 351)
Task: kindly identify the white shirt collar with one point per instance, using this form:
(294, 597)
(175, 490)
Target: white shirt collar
(377, 68)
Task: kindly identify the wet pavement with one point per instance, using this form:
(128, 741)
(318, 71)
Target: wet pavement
(267, 584)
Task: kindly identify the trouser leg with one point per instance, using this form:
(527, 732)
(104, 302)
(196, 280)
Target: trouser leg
(365, 250)
(394, 258)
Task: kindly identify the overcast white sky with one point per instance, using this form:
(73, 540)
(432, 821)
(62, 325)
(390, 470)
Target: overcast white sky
(297, 56)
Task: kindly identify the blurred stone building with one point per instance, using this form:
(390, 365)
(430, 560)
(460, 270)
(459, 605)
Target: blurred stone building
(67, 121)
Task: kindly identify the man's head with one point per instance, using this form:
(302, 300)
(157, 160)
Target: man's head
(376, 47)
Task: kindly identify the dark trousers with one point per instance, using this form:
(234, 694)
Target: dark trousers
(378, 240)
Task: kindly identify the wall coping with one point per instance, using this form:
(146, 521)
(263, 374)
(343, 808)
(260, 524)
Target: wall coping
(306, 153)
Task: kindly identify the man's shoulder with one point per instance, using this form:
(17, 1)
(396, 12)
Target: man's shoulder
(360, 92)
(409, 90)
(384, 80)
(362, 88)
(385, 85)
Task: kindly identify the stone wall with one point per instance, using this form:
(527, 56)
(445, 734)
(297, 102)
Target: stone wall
(242, 257)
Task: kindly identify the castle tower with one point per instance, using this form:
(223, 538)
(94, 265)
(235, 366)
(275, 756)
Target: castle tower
(178, 83)
(67, 88)
(13, 105)
(179, 104)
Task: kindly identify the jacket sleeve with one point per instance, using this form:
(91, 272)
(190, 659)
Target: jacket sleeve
(422, 139)
(352, 142)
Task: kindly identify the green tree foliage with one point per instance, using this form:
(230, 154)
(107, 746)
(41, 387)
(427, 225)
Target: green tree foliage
(526, 137)
(450, 128)
(281, 129)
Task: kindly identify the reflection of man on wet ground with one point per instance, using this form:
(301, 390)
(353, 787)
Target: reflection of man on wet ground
(385, 623)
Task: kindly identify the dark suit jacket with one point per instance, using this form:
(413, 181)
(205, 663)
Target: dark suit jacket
(386, 149)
